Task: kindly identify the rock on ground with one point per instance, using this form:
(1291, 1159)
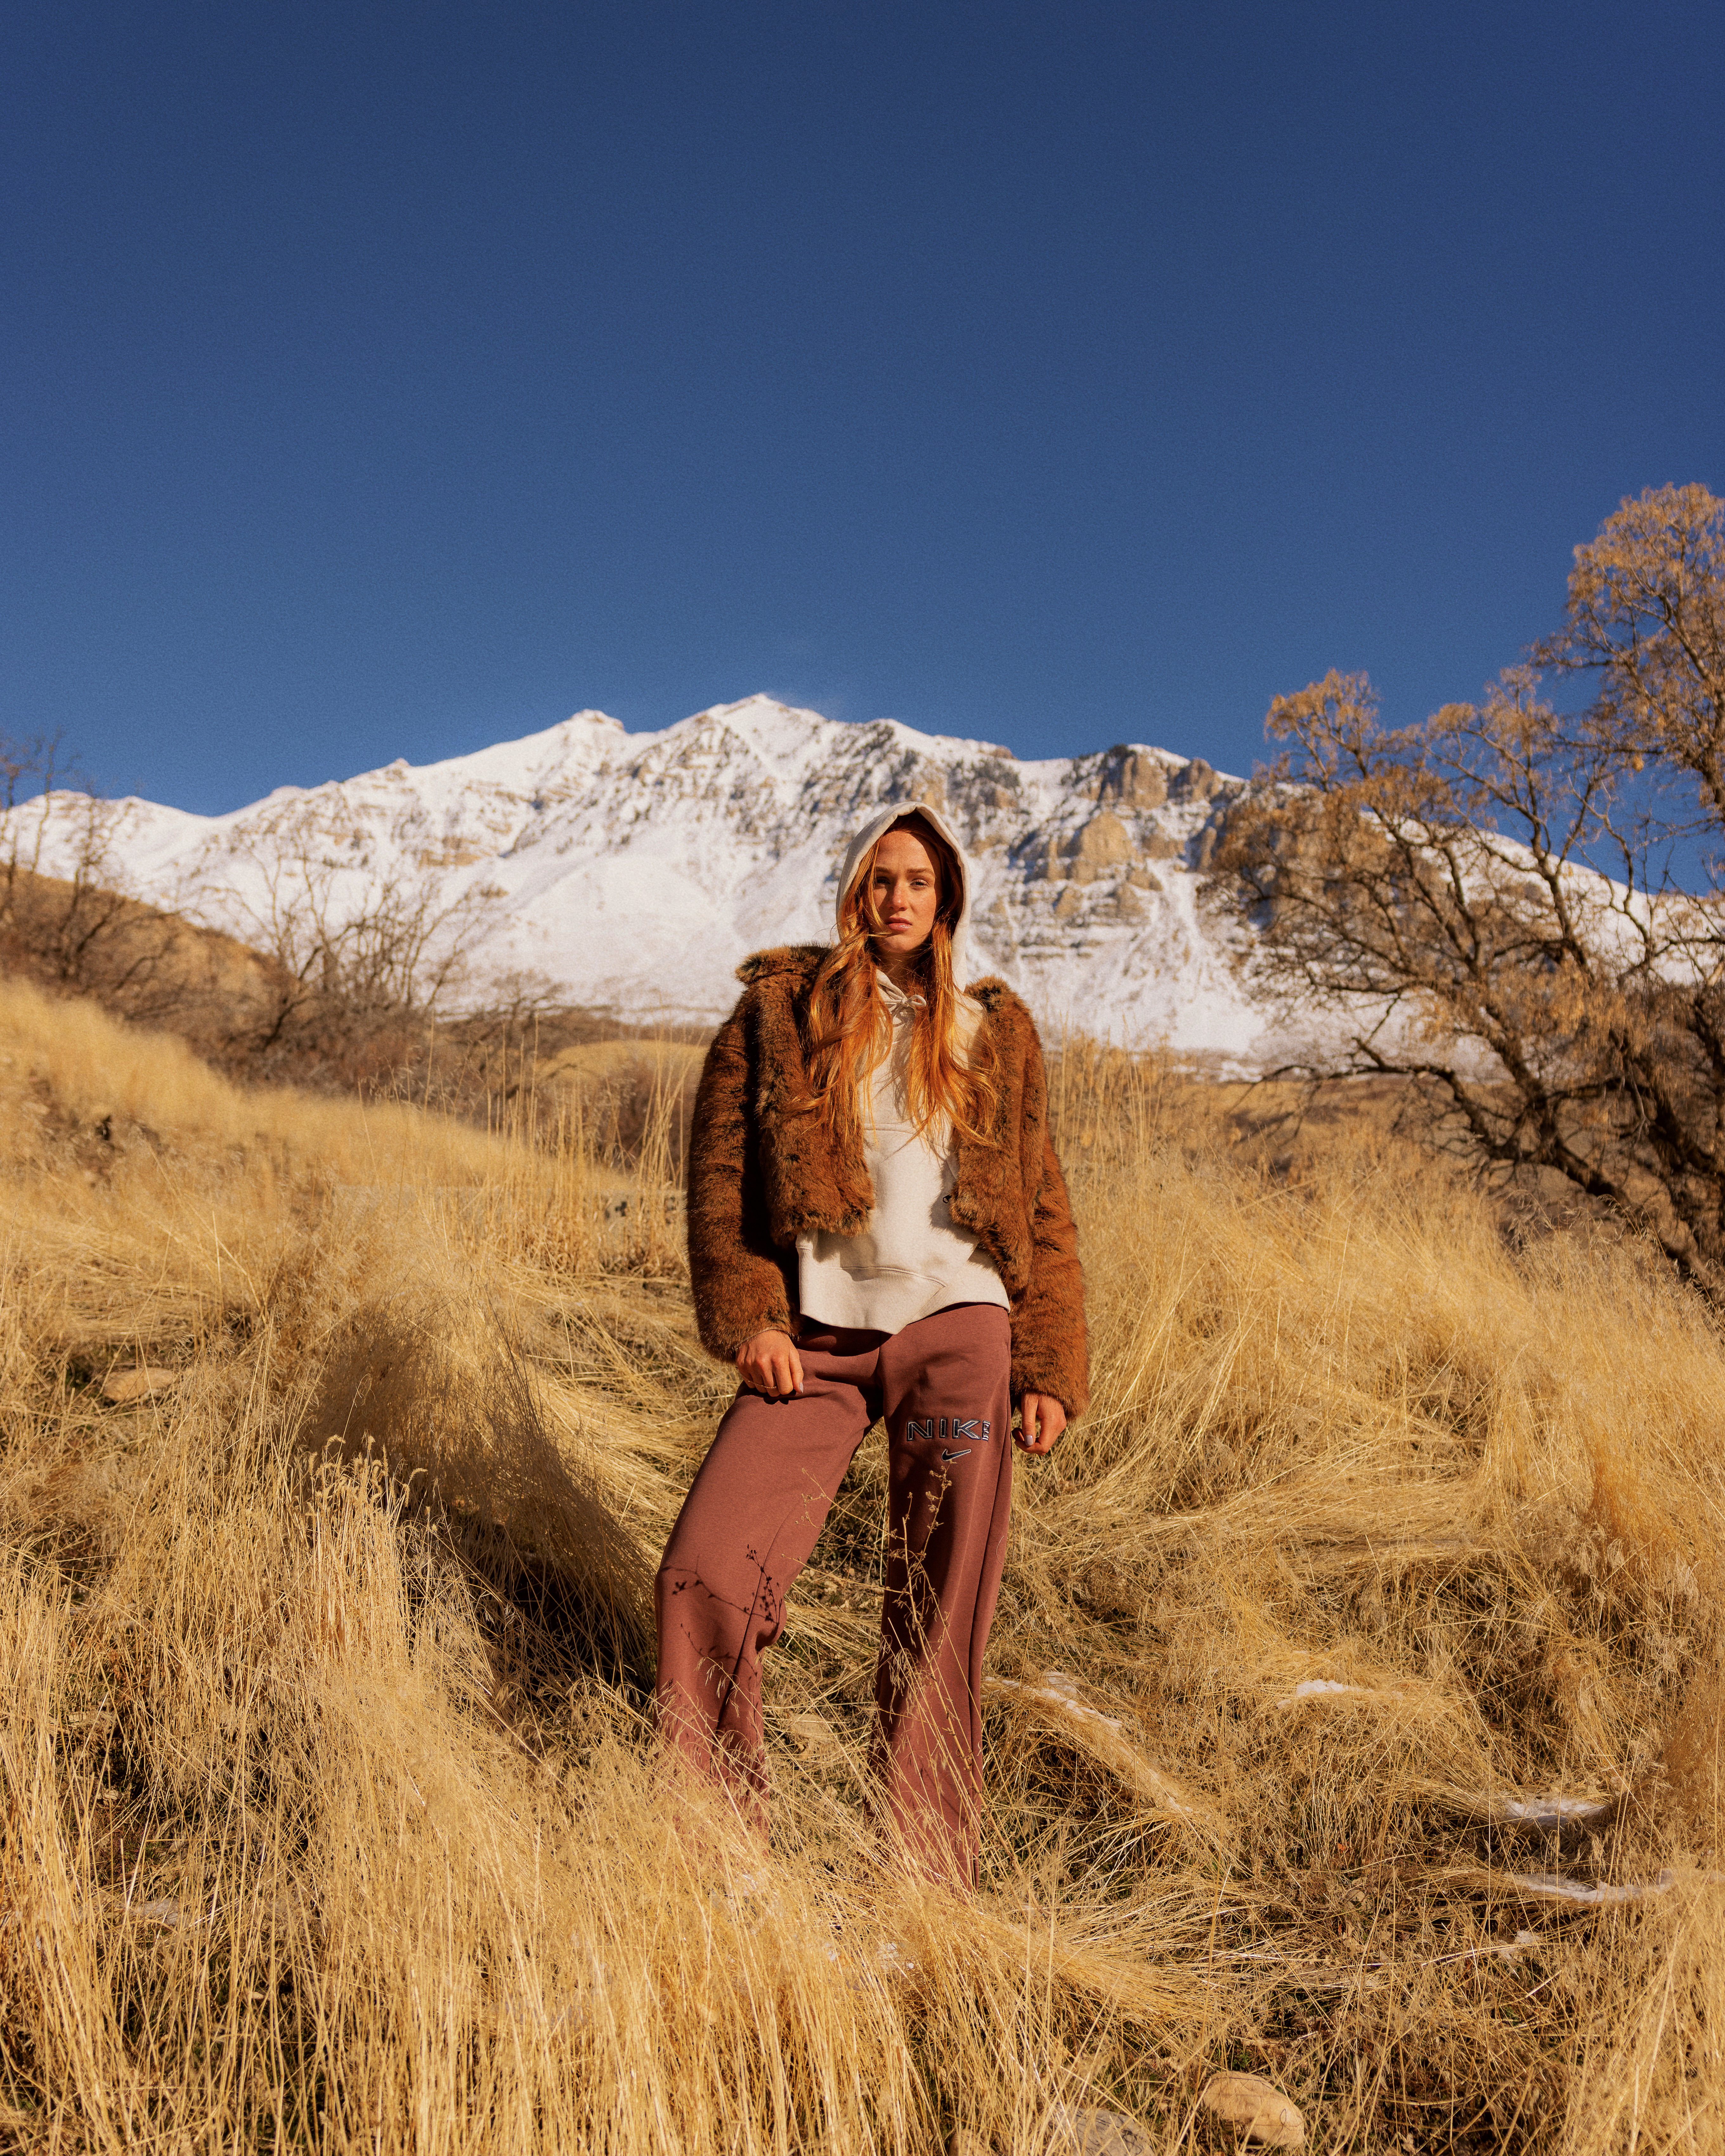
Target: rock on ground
(1255, 2108)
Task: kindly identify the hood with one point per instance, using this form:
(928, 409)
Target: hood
(883, 821)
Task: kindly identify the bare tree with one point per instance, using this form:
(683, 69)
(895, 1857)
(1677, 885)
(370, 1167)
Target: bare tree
(31, 769)
(342, 976)
(67, 918)
(359, 962)
(1520, 910)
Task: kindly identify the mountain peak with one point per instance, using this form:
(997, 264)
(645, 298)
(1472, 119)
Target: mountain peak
(633, 871)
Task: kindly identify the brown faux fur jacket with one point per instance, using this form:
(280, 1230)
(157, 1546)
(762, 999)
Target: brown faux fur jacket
(759, 1177)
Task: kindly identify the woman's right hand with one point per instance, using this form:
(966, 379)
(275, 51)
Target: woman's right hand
(770, 1364)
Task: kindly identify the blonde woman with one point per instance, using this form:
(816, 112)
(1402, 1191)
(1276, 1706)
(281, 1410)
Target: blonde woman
(878, 1227)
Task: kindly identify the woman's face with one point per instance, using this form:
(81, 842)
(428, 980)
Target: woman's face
(906, 888)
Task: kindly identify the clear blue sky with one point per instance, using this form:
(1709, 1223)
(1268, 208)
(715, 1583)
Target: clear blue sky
(384, 380)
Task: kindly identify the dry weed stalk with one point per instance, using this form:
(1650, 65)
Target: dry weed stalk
(327, 1813)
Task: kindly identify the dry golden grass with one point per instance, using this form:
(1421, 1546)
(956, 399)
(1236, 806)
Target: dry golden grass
(329, 1815)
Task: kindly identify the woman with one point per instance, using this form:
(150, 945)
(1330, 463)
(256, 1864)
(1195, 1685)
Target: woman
(878, 1226)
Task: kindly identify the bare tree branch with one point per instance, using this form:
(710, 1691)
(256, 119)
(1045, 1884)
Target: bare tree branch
(1432, 896)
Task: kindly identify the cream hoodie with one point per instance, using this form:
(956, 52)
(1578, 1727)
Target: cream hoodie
(910, 1260)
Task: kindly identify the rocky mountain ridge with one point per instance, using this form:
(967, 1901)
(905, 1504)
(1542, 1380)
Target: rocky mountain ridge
(633, 871)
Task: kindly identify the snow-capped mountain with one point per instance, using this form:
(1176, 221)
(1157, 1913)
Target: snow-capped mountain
(633, 871)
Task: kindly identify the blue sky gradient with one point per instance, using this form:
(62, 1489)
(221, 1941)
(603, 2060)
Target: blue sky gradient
(388, 381)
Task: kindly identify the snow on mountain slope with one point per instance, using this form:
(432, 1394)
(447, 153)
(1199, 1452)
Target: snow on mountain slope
(635, 871)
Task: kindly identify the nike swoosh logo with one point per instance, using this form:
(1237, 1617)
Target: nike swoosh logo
(955, 1455)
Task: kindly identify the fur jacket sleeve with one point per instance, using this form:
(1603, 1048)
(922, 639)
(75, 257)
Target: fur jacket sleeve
(760, 1176)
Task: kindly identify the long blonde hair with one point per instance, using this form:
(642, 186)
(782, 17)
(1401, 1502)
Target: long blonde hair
(851, 1032)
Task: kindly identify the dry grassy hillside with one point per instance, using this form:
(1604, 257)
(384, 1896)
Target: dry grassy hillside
(154, 967)
(339, 1444)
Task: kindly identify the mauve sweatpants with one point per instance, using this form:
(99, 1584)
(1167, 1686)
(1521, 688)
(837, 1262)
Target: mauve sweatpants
(753, 1514)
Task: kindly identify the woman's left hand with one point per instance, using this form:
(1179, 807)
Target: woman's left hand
(1041, 1419)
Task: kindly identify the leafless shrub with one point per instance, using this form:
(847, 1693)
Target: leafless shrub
(84, 931)
(362, 965)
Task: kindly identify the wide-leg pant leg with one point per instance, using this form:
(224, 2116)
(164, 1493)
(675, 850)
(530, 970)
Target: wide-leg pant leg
(752, 1514)
(947, 1392)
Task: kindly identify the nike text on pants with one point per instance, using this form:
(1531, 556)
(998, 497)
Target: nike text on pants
(752, 1516)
